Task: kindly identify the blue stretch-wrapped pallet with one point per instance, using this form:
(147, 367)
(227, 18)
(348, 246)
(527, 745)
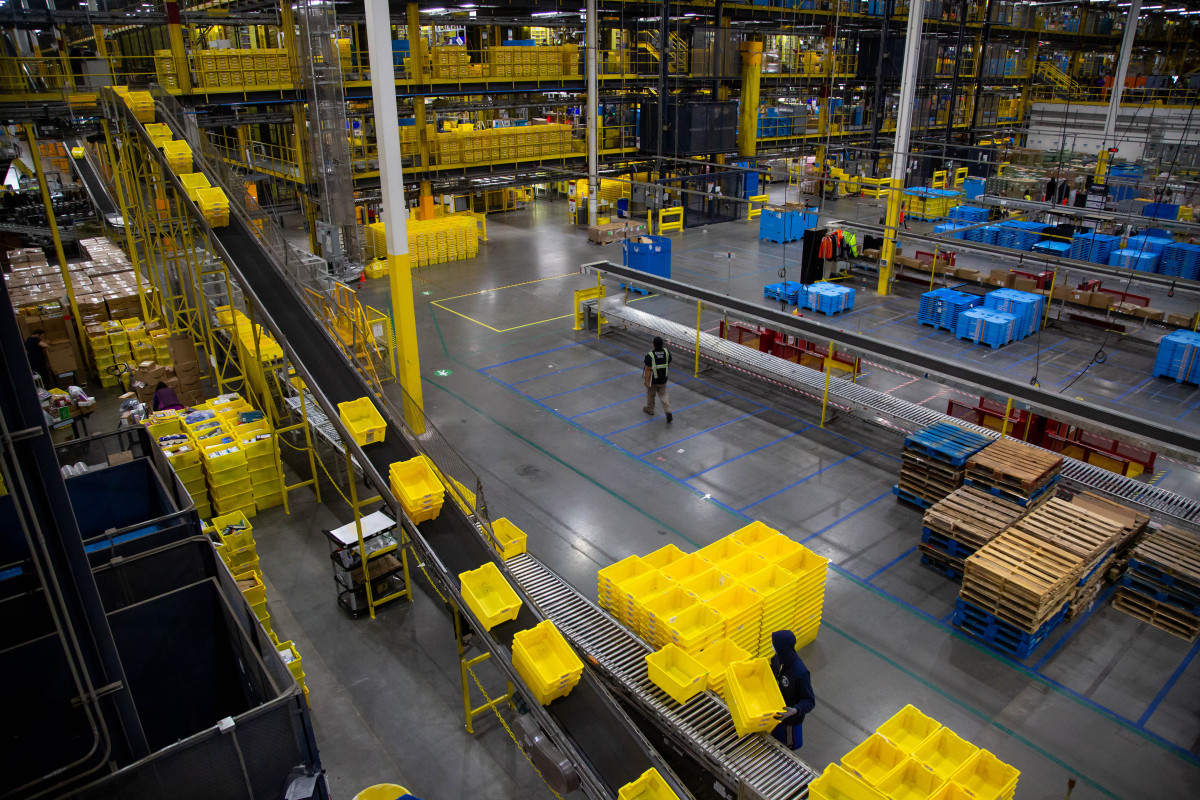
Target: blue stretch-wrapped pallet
(785, 224)
(1178, 357)
(1160, 211)
(945, 441)
(1025, 306)
(971, 214)
(1180, 260)
(955, 231)
(1002, 635)
(941, 307)
(1140, 260)
(1148, 243)
(830, 298)
(785, 291)
(1094, 247)
(1049, 247)
(653, 256)
(985, 326)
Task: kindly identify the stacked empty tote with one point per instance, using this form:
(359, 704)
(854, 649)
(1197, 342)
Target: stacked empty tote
(1181, 260)
(1178, 357)
(941, 307)
(985, 326)
(1094, 247)
(416, 484)
(828, 298)
(1025, 306)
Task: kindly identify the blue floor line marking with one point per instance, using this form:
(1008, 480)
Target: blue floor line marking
(1132, 390)
(601, 408)
(748, 452)
(1034, 354)
(581, 388)
(699, 433)
(1167, 745)
(648, 420)
(845, 517)
(535, 355)
(802, 480)
(557, 371)
(891, 564)
(1100, 601)
(1162, 693)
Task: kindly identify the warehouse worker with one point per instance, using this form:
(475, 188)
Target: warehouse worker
(165, 398)
(795, 686)
(654, 375)
(35, 350)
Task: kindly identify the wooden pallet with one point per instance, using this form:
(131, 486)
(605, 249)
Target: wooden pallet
(1008, 462)
(912, 461)
(1176, 552)
(1072, 528)
(1133, 524)
(972, 517)
(1097, 577)
(1021, 578)
(1172, 620)
(929, 487)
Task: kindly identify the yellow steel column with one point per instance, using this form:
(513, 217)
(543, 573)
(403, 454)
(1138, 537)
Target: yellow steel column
(421, 123)
(58, 248)
(102, 52)
(747, 135)
(416, 52)
(123, 203)
(887, 254)
(175, 33)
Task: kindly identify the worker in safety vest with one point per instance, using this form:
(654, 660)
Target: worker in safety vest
(654, 375)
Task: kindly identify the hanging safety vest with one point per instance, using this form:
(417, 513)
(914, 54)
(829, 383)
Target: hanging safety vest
(655, 366)
(852, 240)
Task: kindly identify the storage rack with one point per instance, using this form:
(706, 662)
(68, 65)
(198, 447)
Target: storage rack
(379, 537)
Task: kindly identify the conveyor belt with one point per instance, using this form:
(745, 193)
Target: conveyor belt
(96, 190)
(587, 726)
(1164, 506)
(758, 761)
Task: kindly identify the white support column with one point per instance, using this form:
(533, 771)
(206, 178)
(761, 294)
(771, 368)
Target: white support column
(908, 90)
(1114, 102)
(593, 113)
(395, 215)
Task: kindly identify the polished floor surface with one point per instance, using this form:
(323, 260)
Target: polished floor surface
(551, 420)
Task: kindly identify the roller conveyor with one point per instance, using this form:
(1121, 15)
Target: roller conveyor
(96, 190)
(757, 761)
(878, 407)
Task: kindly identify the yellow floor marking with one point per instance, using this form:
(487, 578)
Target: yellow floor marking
(438, 303)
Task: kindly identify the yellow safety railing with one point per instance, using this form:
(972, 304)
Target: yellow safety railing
(757, 202)
(670, 219)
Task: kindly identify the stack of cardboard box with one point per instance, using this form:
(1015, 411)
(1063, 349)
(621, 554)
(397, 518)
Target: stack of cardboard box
(62, 355)
(615, 231)
(187, 369)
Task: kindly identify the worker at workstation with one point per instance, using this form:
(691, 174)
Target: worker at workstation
(796, 687)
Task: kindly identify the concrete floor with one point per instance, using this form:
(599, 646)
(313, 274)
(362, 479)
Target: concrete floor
(551, 422)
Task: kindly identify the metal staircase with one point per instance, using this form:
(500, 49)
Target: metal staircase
(1064, 84)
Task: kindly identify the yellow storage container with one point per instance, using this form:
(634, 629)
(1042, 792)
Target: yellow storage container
(179, 156)
(489, 595)
(754, 698)
(987, 777)
(251, 587)
(692, 628)
(951, 791)
(291, 657)
(909, 780)
(754, 534)
(363, 420)
(716, 658)
(676, 673)
(214, 205)
(776, 549)
(744, 565)
(510, 540)
(687, 567)
(416, 484)
(234, 529)
(873, 759)
(836, 783)
(664, 556)
(609, 578)
(637, 591)
(908, 728)
(546, 662)
(650, 786)
(193, 182)
(662, 610)
(707, 584)
(944, 752)
(722, 550)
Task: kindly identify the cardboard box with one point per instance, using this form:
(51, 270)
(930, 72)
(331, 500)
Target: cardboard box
(182, 350)
(871, 255)
(60, 358)
(123, 457)
(1100, 300)
(1147, 313)
(962, 273)
(1180, 320)
(1024, 284)
(1001, 277)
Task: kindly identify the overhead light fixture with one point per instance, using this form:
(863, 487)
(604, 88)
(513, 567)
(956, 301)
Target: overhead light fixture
(546, 13)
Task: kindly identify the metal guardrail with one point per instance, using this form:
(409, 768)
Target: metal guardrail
(702, 725)
(891, 412)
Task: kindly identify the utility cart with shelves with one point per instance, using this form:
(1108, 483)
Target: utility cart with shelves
(385, 576)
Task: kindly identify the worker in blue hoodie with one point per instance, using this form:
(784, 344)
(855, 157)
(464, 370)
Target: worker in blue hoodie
(795, 686)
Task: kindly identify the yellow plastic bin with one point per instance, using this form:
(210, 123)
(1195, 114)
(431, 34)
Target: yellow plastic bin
(944, 752)
(754, 534)
(546, 662)
(755, 702)
(510, 540)
(694, 628)
(650, 786)
(363, 420)
(664, 556)
(687, 567)
(637, 592)
(416, 484)
(381, 791)
(744, 565)
(708, 584)
(489, 595)
(722, 550)
(609, 577)
(836, 783)
(662, 611)
(776, 549)
(873, 759)
(987, 777)
(908, 728)
(716, 658)
(951, 791)
(676, 673)
(910, 781)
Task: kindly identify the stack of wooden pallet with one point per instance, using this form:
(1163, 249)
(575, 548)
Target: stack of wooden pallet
(1133, 524)
(1162, 584)
(1015, 591)
(958, 525)
(1015, 471)
(1090, 537)
(933, 462)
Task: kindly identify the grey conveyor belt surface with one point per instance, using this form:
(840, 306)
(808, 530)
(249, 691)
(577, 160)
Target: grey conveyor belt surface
(587, 715)
(96, 189)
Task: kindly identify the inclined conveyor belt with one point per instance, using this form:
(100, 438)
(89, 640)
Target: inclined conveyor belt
(95, 187)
